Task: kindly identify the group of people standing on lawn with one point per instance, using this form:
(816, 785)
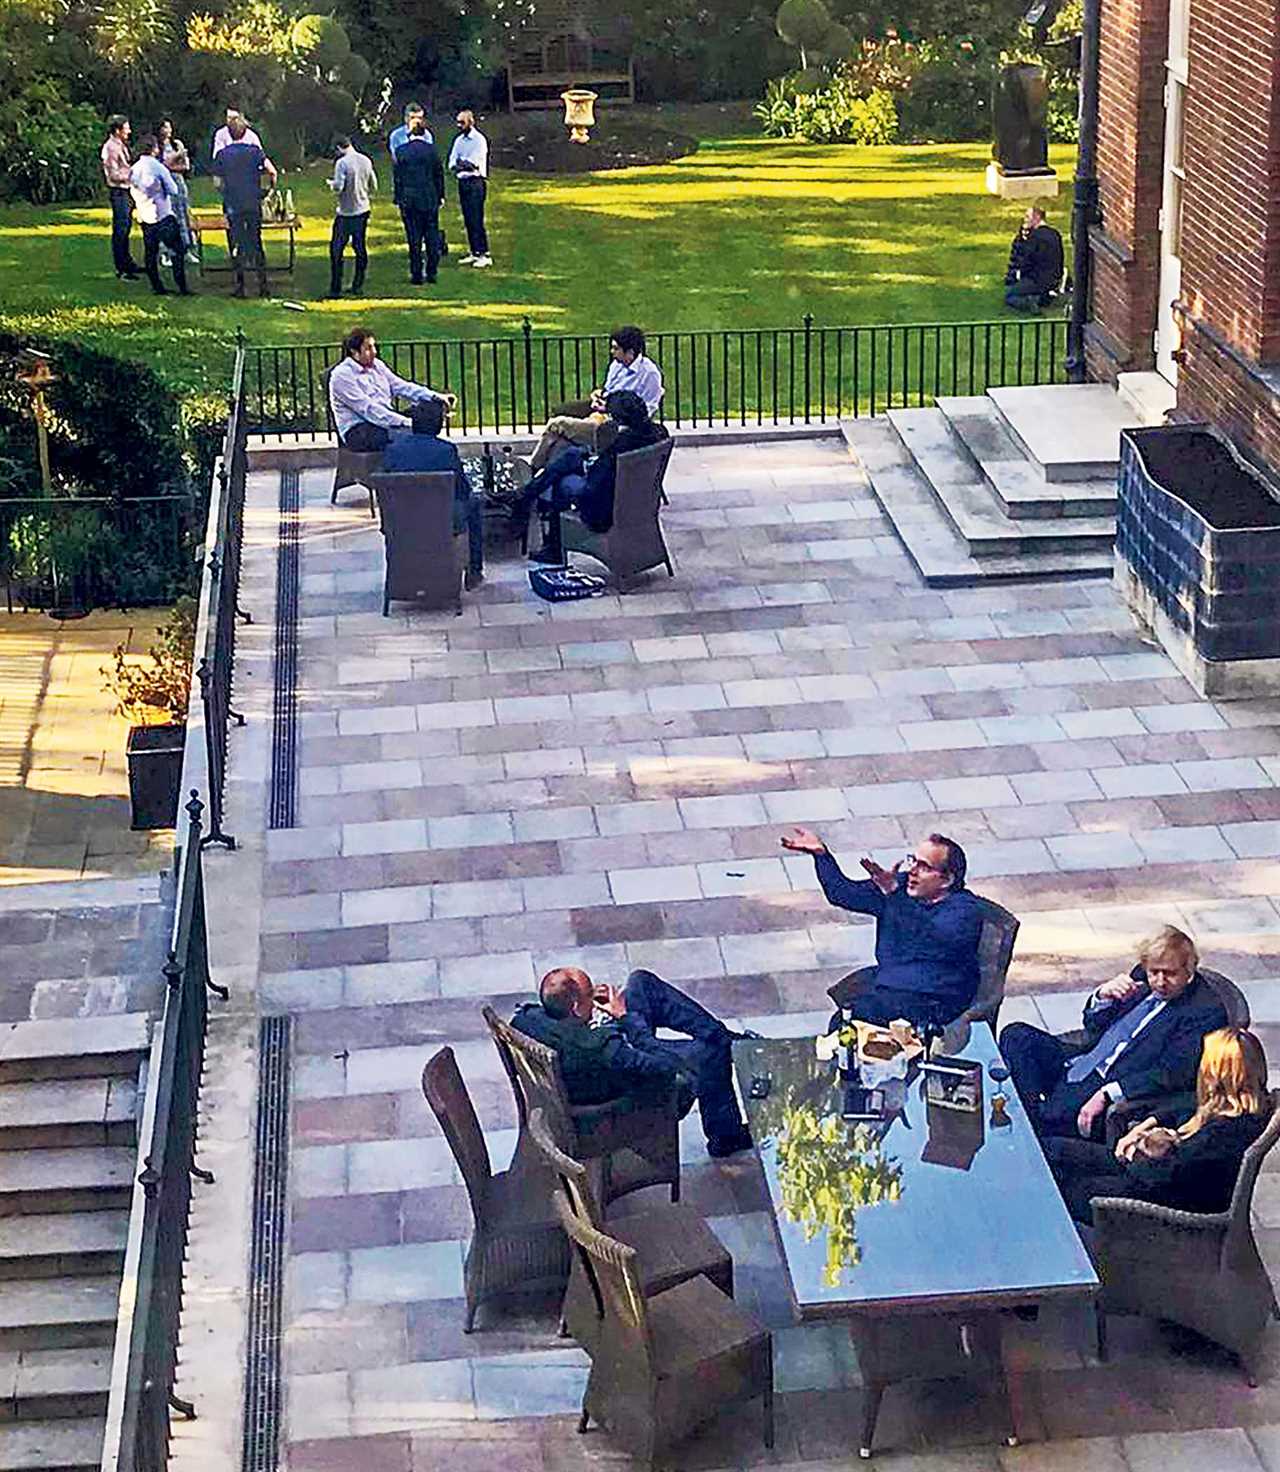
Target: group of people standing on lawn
(149, 179)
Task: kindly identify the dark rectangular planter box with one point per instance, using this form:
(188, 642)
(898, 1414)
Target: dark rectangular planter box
(1198, 555)
(154, 755)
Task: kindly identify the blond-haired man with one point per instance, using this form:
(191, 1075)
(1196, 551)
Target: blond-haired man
(1145, 1028)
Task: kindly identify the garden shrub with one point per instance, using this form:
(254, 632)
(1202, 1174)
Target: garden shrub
(834, 113)
(51, 149)
(116, 432)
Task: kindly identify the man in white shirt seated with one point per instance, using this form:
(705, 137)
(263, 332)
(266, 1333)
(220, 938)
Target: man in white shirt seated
(155, 192)
(223, 136)
(582, 423)
(361, 390)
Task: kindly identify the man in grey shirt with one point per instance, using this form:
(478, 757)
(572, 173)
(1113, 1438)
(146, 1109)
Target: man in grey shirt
(353, 182)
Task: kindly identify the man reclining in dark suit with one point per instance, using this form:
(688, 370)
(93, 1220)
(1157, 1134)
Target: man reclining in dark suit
(620, 1056)
(1146, 1028)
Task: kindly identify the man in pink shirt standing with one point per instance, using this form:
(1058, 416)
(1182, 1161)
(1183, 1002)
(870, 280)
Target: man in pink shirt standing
(116, 164)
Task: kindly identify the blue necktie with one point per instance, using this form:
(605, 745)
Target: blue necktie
(1116, 1036)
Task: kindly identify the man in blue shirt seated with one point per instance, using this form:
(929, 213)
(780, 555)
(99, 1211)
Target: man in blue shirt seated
(422, 449)
(927, 928)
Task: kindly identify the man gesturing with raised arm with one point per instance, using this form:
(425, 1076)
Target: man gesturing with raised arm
(927, 928)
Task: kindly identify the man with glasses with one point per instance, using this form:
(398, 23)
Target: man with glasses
(927, 928)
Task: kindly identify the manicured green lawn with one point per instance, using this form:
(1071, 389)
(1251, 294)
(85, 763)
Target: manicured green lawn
(746, 232)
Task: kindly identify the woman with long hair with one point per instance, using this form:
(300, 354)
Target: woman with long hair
(1191, 1166)
(175, 158)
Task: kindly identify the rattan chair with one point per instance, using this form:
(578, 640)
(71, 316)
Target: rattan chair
(424, 553)
(995, 951)
(1199, 1270)
(517, 1244)
(672, 1242)
(636, 1142)
(634, 543)
(354, 467)
(662, 1366)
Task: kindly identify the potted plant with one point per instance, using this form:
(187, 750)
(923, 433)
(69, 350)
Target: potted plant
(152, 696)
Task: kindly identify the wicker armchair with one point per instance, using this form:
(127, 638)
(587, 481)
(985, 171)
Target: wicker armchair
(995, 951)
(424, 553)
(664, 1365)
(517, 1244)
(637, 1143)
(1201, 1271)
(672, 1243)
(634, 542)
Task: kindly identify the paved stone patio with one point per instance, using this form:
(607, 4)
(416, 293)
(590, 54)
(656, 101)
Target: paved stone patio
(604, 783)
(64, 787)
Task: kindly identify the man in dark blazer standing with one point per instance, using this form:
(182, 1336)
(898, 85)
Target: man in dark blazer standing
(1146, 1028)
(419, 192)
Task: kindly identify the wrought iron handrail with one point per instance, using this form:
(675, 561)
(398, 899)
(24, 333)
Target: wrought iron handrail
(146, 1348)
(216, 670)
(762, 376)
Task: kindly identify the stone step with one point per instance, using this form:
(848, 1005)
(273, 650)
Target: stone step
(52, 1446)
(85, 1178)
(73, 1047)
(59, 1313)
(1148, 394)
(966, 499)
(63, 1112)
(940, 555)
(63, 1244)
(40, 1384)
(1019, 488)
(1070, 431)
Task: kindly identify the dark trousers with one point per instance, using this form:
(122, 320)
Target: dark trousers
(704, 1053)
(121, 224)
(1038, 1066)
(1084, 1169)
(1025, 296)
(167, 233)
(471, 195)
(244, 236)
(885, 1004)
(346, 228)
(421, 229)
(364, 439)
(473, 516)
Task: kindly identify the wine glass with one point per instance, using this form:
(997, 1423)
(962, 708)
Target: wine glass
(999, 1071)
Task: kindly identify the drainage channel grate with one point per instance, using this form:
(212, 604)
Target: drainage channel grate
(284, 728)
(263, 1389)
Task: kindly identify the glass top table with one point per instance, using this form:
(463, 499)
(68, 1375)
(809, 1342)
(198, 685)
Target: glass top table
(930, 1209)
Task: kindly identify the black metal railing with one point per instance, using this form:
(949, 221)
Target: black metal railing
(74, 553)
(216, 670)
(146, 1354)
(791, 375)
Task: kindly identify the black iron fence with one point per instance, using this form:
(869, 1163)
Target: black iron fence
(216, 670)
(69, 554)
(146, 1354)
(793, 375)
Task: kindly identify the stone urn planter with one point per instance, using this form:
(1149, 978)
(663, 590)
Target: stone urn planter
(1198, 556)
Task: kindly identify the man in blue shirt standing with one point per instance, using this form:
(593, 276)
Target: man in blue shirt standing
(400, 136)
(422, 449)
(927, 928)
(239, 166)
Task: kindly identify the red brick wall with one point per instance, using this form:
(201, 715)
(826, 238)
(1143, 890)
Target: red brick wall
(1214, 386)
(1231, 212)
(1132, 51)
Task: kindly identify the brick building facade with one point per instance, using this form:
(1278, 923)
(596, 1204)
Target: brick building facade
(1186, 259)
